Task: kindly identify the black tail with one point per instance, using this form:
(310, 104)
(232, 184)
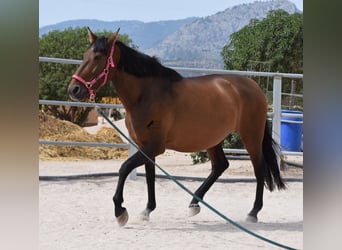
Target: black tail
(271, 151)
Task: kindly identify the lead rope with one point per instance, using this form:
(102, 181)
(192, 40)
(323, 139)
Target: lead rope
(100, 111)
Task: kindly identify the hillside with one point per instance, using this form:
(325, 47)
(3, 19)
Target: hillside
(198, 44)
(145, 35)
(190, 42)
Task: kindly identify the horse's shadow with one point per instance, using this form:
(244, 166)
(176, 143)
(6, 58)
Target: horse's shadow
(208, 226)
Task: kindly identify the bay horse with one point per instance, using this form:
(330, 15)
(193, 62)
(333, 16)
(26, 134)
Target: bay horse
(167, 111)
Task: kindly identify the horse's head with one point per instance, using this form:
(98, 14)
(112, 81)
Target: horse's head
(95, 68)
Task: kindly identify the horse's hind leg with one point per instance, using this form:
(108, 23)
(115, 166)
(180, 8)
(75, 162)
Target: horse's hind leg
(219, 164)
(253, 143)
(258, 202)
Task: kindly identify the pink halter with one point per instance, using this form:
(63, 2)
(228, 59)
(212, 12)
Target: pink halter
(103, 74)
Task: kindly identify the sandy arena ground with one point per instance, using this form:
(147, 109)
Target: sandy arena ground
(78, 214)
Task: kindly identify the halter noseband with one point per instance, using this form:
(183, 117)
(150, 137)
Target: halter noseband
(103, 74)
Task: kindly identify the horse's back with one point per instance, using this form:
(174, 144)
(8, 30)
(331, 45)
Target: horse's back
(207, 108)
(219, 94)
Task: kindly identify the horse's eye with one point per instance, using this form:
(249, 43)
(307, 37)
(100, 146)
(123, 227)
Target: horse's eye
(97, 57)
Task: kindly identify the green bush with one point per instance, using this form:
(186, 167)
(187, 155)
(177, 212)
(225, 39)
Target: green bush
(233, 140)
(199, 157)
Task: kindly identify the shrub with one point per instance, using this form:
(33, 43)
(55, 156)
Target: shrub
(233, 140)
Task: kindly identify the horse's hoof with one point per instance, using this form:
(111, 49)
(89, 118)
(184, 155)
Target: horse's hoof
(194, 209)
(122, 219)
(145, 215)
(251, 218)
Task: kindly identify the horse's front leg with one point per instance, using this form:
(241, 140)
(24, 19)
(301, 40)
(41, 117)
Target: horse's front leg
(134, 161)
(150, 179)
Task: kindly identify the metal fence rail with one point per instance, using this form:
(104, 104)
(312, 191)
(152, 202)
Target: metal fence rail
(191, 70)
(87, 144)
(80, 104)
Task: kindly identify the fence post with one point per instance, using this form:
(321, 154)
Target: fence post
(276, 108)
(131, 151)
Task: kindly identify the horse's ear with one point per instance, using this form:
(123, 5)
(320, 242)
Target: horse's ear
(113, 37)
(91, 36)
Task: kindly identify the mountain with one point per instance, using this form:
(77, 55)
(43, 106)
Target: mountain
(190, 42)
(198, 44)
(145, 35)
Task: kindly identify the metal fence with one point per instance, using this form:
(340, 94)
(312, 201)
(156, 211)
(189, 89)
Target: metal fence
(275, 115)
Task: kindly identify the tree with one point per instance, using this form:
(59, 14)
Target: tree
(54, 78)
(276, 40)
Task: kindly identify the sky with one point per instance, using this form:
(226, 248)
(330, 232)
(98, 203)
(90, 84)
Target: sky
(52, 11)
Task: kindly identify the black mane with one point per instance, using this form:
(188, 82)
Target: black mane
(142, 65)
(137, 63)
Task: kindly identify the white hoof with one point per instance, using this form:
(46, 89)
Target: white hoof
(251, 219)
(145, 215)
(194, 209)
(122, 219)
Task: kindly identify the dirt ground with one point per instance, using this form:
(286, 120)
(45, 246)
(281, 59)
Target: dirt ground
(78, 214)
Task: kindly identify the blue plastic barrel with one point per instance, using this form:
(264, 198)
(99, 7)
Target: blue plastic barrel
(291, 133)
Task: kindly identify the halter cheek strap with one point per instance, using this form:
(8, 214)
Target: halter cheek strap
(104, 74)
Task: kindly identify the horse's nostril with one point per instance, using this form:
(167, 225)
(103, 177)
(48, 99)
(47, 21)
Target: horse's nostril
(76, 90)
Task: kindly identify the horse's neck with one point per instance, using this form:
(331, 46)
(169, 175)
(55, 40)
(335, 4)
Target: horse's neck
(127, 88)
